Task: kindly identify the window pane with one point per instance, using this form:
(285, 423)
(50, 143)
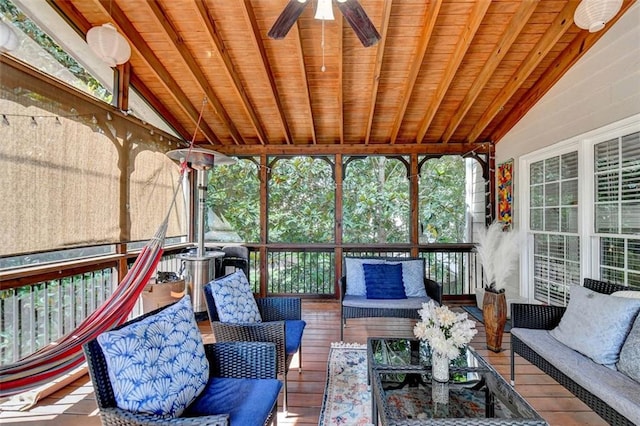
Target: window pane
(570, 165)
(552, 219)
(552, 194)
(631, 183)
(540, 244)
(607, 186)
(606, 218)
(569, 219)
(631, 150)
(536, 219)
(611, 275)
(537, 172)
(612, 252)
(569, 192)
(630, 218)
(556, 246)
(573, 248)
(633, 255)
(552, 169)
(537, 196)
(606, 156)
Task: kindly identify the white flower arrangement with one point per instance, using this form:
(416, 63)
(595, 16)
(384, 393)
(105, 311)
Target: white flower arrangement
(445, 331)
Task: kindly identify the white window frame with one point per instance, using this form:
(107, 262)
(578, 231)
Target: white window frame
(589, 240)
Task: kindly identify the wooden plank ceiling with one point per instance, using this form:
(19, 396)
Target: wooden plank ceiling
(447, 76)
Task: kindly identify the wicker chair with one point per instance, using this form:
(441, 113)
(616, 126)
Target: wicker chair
(547, 317)
(245, 360)
(281, 324)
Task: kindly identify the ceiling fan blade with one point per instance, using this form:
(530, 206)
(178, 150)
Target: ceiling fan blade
(287, 18)
(359, 21)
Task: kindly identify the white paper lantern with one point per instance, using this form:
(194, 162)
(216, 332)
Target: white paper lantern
(592, 15)
(8, 37)
(109, 44)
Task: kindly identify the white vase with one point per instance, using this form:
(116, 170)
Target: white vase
(440, 367)
(440, 392)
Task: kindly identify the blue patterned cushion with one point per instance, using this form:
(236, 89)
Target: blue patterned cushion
(157, 365)
(234, 299)
(384, 281)
(596, 324)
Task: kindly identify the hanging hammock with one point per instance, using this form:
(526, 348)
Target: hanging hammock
(61, 356)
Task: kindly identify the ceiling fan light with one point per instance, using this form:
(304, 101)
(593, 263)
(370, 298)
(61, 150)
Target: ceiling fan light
(324, 10)
(592, 15)
(109, 44)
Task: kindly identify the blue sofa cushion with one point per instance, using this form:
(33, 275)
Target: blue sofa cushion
(234, 299)
(247, 401)
(384, 281)
(157, 365)
(293, 335)
(355, 274)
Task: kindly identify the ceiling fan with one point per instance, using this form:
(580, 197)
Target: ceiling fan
(351, 10)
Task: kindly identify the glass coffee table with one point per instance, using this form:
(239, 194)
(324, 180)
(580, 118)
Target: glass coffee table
(404, 393)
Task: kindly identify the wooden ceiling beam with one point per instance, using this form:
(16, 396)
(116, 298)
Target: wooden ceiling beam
(517, 23)
(195, 70)
(69, 12)
(371, 149)
(384, 27)
(560, 25)
(257, 40)
(570, 55)
(340, 22)
(210, 25)
(303, 70)
(473, 23)
(147, 55)
(432, 11)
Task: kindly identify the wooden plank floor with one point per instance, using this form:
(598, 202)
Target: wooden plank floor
(75, 404)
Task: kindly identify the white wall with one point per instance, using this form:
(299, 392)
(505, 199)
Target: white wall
(602, 87)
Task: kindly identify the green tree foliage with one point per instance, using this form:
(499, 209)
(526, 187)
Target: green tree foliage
(301, 201)
(376, 201)
(442, 203)
(234, 195)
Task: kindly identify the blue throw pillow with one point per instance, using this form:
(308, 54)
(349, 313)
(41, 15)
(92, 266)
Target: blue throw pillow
(157, 365)
(234, 299)
(384, 281)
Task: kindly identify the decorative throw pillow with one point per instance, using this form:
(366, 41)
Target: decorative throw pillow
(627, 293)
(412, 277)
(629, 362)
(596, 324)
(157, 365)
(355, 274)
(234, 299)
(384, 281)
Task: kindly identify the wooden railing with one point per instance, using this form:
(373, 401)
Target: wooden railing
(38, 308)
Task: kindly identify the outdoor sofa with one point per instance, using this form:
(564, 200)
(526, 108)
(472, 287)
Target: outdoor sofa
(376, 297)
(591, 347)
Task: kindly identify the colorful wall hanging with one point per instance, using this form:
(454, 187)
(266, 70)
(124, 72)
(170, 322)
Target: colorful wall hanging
(505, 192)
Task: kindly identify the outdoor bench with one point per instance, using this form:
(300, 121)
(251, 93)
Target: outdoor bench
(611, 390)
(354, 302)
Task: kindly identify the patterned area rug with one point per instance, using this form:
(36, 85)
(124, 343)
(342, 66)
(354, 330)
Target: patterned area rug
(347, 399)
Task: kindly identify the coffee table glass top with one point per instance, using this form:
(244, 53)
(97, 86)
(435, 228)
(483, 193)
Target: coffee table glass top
(404, 392)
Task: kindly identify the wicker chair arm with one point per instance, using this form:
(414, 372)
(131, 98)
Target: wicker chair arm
(120, 417)
(247, 360)
(257, 332)
(280, 308)
(544, 317)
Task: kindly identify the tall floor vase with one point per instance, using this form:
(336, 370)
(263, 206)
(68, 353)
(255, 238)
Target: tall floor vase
(494, 313)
